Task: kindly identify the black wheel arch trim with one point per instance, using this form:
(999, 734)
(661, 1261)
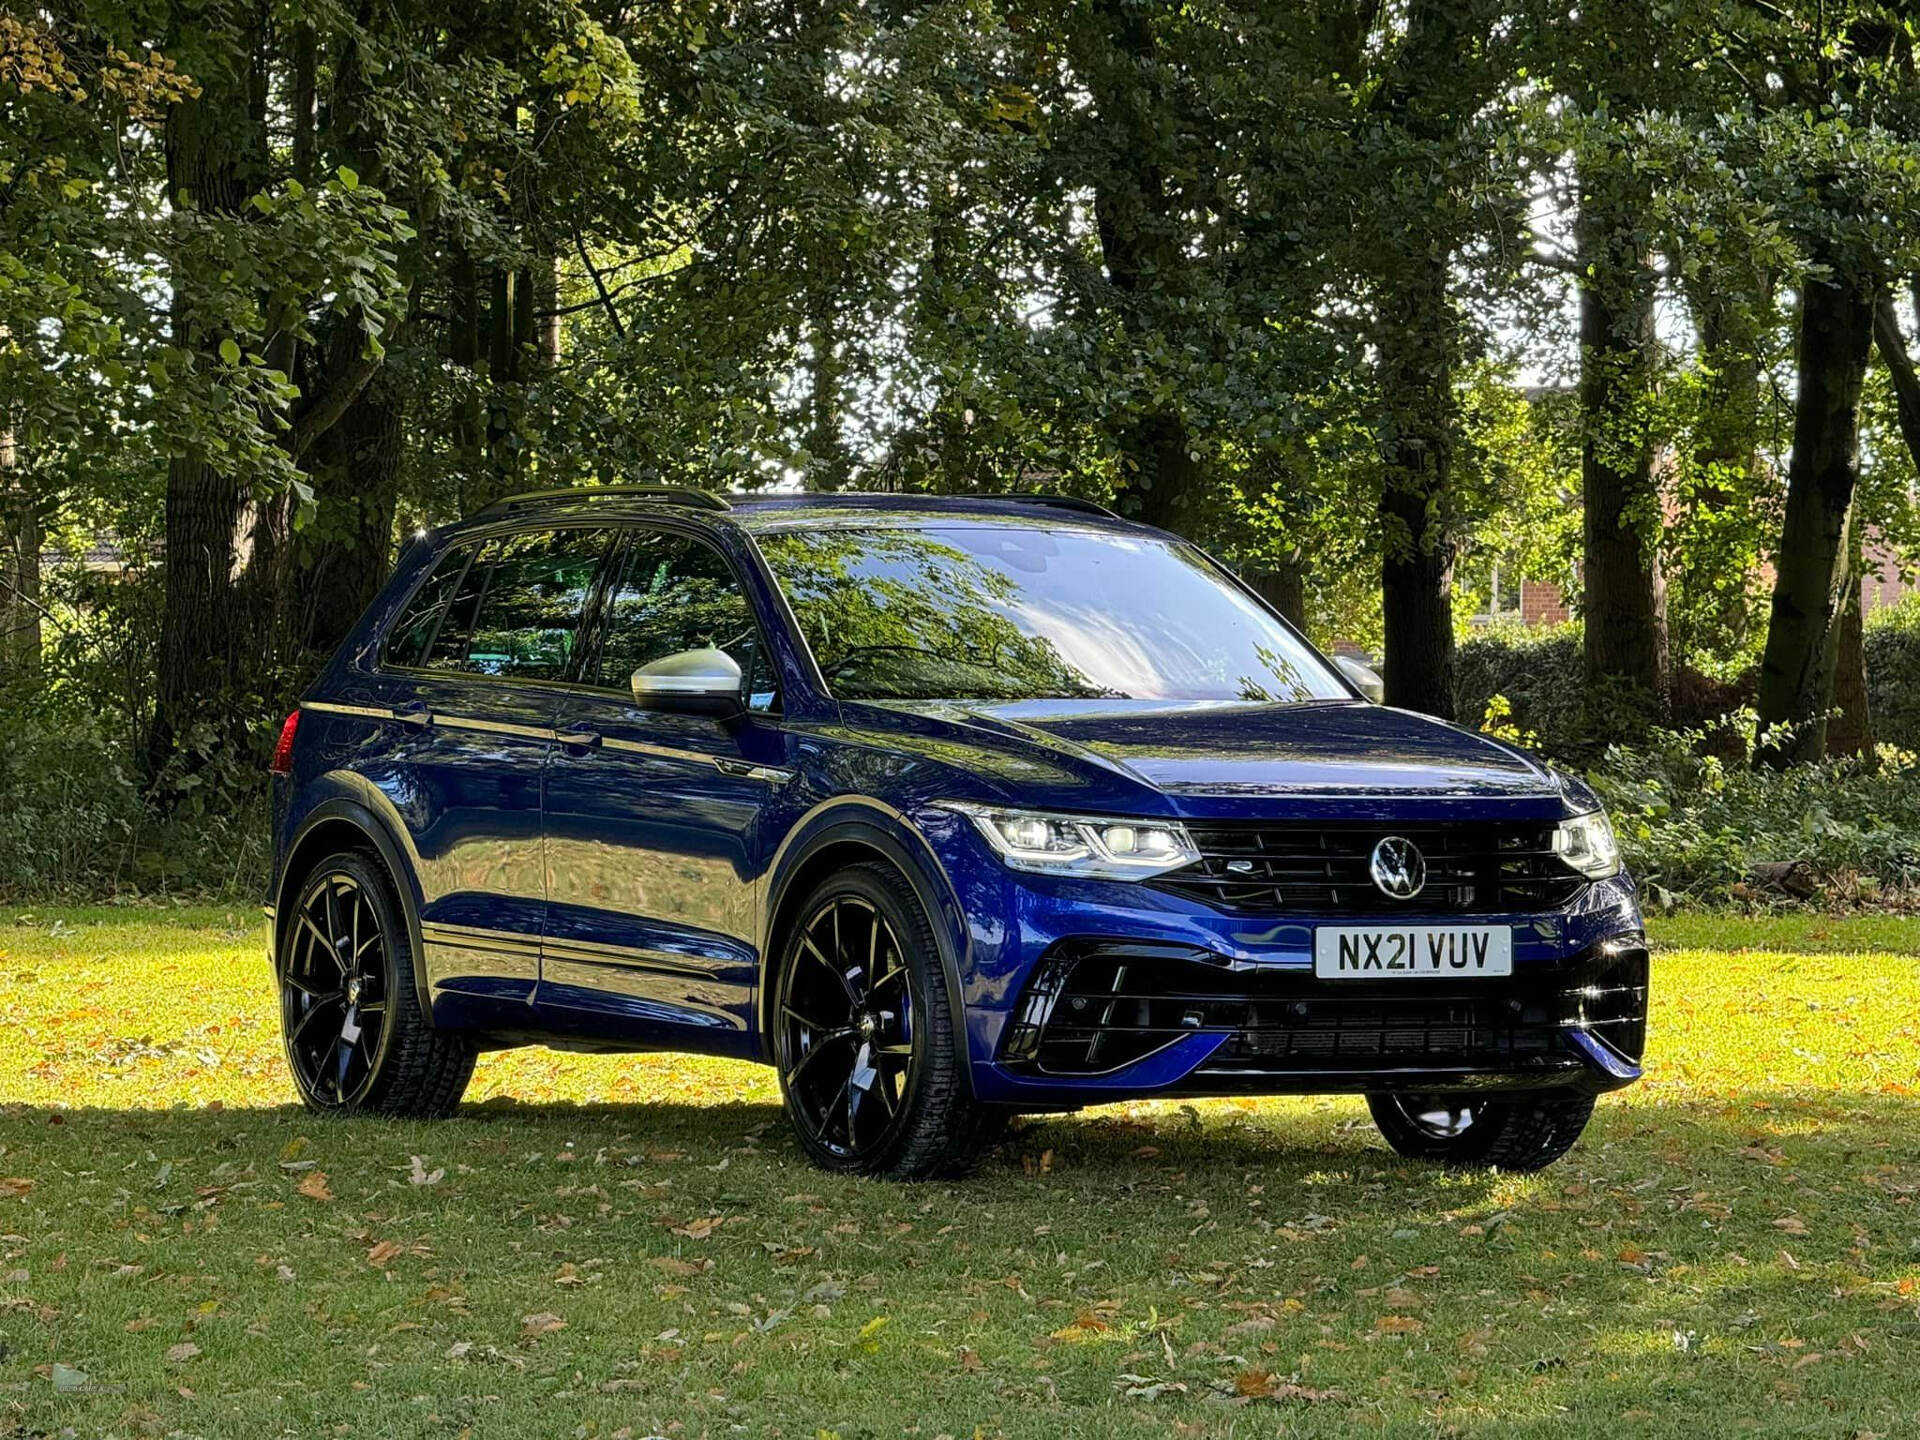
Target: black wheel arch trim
(884, 830)
(378, 834)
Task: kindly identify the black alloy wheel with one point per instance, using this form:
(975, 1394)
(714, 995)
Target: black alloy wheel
(847, 1029)
(356, 1037)
(873, 1067)
(335, 990)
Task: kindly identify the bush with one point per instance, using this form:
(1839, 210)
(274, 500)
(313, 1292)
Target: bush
(1893, 673)
(1695, 818)
(1540, 673)
(78, 825)
(1541, 676)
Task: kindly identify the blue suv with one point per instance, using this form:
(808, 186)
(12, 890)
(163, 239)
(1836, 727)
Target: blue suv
(949, 809)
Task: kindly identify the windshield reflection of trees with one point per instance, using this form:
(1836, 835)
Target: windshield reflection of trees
(901, 615)
(898, 616)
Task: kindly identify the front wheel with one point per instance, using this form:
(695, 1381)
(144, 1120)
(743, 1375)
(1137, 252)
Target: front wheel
(356, 1038)
(872, 1068)
(1513, 1132)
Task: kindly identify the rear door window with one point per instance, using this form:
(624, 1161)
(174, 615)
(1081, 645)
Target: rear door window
(517, 610)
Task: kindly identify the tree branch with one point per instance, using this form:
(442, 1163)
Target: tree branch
(600, 286)
(1906, 384)
(326, 410)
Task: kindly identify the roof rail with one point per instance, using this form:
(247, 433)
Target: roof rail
(666, 494)
(1058, 502)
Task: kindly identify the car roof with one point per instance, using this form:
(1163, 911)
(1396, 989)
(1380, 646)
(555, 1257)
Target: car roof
(771, 512)
(867, 510)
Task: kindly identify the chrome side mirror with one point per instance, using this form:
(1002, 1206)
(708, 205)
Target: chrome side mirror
(692, 682)
(1363, 678)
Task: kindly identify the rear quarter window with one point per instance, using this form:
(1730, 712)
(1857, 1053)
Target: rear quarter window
(411, 635)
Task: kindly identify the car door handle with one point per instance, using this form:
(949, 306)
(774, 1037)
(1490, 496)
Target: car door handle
(414, 712)
(580, 739)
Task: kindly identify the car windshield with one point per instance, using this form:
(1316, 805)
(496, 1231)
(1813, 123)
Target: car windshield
(973, 611)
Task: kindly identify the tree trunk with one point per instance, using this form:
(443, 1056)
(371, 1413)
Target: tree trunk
(832, 466)
(1730, 324)
(1414, 337)
(216, 156)
(1850, 732)
(357, 484)
(1283, 586)
(1814, 584)
(305, 68)
(1134, 217)
(20, 540)
(544, 289)
(1730, 304)
(1419, 338)
(463, 350)
(1626, 593)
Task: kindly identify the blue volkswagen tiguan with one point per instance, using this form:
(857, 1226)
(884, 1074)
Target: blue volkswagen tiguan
(948, 808)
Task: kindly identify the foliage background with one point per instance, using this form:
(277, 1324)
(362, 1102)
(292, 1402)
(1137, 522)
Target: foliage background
(1382, 303)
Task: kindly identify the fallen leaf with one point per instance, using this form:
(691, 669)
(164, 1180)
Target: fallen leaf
(1145, 1387)
(1398, 1325)
(313, 1185)
(420, 1175)
(380, 1255)
(66, 1379)
(183, 1352)
(676, 1266)
(544, 1322)
(13, 1187)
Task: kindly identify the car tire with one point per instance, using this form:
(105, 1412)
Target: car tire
(354, 1033)
(1472, 1132)
(872, 1069)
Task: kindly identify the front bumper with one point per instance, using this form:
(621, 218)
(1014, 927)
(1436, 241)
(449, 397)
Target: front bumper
(1095, 1011)
(1204, 1002)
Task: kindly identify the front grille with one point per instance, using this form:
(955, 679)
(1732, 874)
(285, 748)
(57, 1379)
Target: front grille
(1094, 1008)
(1290, 869)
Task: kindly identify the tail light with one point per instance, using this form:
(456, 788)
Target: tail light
(283, 750)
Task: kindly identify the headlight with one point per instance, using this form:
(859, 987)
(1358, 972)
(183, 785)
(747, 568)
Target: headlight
(1082, 845)
(1586, 843)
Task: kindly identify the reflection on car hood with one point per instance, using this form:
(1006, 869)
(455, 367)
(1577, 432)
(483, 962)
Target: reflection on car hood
(1186, 748)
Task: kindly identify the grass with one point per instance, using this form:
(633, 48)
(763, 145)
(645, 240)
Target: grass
(632, 1246)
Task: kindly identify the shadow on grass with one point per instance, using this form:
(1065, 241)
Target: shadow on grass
(1817, 1129)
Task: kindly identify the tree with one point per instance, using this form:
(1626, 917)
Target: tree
(1844, 211)
(1443, 201)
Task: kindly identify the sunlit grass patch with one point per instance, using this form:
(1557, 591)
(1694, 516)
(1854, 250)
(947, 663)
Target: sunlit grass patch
(608, 1243)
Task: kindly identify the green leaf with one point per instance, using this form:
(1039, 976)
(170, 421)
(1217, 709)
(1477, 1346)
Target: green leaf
(349, 177)
(229, 351)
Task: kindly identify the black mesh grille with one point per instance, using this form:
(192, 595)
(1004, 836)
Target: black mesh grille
(1092, 1009)
(1284, 869)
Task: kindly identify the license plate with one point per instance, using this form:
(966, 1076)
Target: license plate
(1391, 952)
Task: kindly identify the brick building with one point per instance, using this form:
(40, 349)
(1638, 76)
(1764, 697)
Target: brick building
(1541, 602)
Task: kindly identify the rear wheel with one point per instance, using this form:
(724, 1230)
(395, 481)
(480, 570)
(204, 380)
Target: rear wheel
(1509, 1132)
(871, 1068)
(356, 1039)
